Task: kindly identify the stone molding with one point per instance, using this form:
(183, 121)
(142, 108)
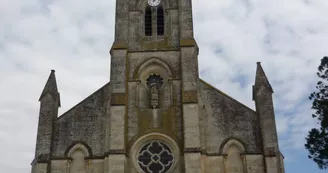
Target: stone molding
(192, 150)
(188, 43)
(189, 96)
(270, 152)
(115, 152)
(43, 158)
(118, 99)
(79, 145)
(151, 62)
(232, 141)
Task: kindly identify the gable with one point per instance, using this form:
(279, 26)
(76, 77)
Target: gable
(225, 118)
(83, 123)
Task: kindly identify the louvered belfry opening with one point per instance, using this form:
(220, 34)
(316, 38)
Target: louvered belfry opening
(148, 22)
(160, 21)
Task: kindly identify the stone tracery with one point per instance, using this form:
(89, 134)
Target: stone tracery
(155, 157)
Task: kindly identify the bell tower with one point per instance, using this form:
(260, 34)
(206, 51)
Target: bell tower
(154, 97)
(156, 115)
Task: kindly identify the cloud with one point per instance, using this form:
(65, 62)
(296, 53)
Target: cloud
(36, 36)
(288, 41)
(74, 38)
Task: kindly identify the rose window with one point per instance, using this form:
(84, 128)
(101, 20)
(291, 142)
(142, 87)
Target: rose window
(155, 157)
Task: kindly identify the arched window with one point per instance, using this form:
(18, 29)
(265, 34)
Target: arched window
(78, 163)
(234, 162)
(78, 152)
(148, 22)
(160, 21)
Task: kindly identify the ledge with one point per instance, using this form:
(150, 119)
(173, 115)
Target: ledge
(187, 42)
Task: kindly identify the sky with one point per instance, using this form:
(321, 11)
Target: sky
(74, 37)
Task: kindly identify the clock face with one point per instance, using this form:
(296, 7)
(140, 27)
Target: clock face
(154, 3)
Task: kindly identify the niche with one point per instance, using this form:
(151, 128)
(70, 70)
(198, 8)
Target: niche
(234, 162)
(78, 163)
(154, 89)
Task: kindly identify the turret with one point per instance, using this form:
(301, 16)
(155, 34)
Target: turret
(262, 95)
(49, 104)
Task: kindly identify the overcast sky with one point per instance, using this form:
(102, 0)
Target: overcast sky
(74, 36)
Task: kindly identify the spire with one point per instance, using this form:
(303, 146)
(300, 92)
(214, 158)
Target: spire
(51, 87)
(261, 79)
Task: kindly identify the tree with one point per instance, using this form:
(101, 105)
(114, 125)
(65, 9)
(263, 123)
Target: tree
(317, 139)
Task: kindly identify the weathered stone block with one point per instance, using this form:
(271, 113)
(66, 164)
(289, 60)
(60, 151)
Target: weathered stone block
(192, 162)
(116, 163)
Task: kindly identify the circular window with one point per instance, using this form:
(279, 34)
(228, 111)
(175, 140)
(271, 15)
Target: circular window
(155, 157)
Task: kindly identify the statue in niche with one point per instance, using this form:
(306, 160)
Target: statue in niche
(234, 163)
(154, 97)
(154, 83)
(78, 164)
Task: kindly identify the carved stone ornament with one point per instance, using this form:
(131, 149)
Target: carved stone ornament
(155, 157)
(154, 3)
(154, 82)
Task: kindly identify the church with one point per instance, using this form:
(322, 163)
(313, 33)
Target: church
(155, 115)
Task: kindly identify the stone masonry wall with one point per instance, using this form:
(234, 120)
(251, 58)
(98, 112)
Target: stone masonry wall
(83, 123)
(226, 118)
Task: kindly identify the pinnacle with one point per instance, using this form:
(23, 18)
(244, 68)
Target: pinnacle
(50, 87)
(261, 78)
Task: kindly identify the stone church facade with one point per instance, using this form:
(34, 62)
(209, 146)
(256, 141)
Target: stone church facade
(156, 115)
